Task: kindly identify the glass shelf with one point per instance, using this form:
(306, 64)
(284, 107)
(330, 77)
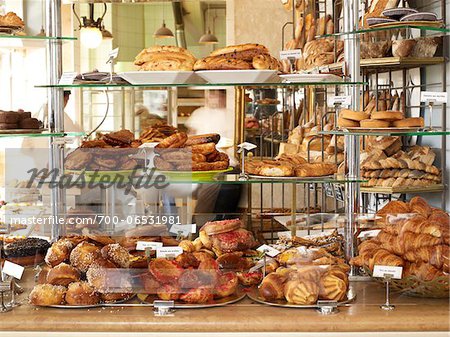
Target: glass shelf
(390, 27)
(386, 133)
(41, 135)
(205, 85)
(224, 179)
(26, 37)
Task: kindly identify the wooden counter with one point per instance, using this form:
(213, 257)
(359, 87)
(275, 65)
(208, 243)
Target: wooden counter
(364, 315)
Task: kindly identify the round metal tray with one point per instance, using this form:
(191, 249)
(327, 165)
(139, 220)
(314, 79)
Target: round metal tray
(239, 295)
(99, 305)
(254, 296)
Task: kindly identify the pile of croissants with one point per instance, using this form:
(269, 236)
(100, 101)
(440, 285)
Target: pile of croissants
(414, 236)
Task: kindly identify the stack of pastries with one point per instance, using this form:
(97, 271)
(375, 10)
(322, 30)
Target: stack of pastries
(11, 19)
(195, 153)
(306, 276)
(165, 58)
(289, 165)
(240, 57)
(83, 270)
(414, 236)
(108, 152)
(386, 165)
(210, 267)
(377, 119)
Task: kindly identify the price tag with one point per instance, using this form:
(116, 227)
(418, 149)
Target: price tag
(369, 234)
(312, 187)
(324, 69)
(13, 270)
(114, 53)
(435, 97)
(247, 146)
(339, 193)
(141, 245)
(183, 229)
(259, 265)
(329, 190)
(67, 78)
(168, 252)
(384, 271)
(340, 100)
(291, 54)
(270, 251)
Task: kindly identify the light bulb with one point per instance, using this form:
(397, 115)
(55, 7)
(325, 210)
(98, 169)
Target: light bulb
(90, 37)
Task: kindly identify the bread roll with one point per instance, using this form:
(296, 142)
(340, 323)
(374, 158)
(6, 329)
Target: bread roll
(372, 123)
(47, 294)
(347, 123)
(388, 115)
(354, 115)
(409, 122)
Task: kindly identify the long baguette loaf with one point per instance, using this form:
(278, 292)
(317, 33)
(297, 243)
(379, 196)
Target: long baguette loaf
(393, 163)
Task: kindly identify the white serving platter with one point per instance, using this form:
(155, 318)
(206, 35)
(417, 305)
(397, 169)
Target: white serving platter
(239, 76)
(160, 77)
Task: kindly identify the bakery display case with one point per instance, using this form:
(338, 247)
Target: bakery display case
(295, 214)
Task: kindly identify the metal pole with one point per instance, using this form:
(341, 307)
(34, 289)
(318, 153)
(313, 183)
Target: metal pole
(55, 107)
(352, 60)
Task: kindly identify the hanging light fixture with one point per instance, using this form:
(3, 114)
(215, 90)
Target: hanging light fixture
(208, 38)
(42, 32)
(163, 32)
(92, 31)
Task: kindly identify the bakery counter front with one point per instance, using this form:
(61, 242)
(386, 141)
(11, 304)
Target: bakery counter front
(412, 316)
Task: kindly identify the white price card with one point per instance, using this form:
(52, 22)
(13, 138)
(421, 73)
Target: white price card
(341, 100)
(324, 69)
(13, 270)
(67, 78)
(168, 252)
(270, 251)
(384, 271)
(114, 53)
(247, 146)
(435, 97)
(142, 245)
(369, 234)
(183, 229)
(291, 54)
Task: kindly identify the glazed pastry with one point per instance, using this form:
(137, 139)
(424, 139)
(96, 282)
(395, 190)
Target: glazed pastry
(332, 288)
(81, 293)
(26, 252)
(187, 260)
(58, 252)
(165, 271)
(116, 254)
(250, 278)
(301, 292)
(63, 274)
(83, 255)
(198, 295)
(226, 285)
(219, 227)
(168, 292)
(272, 287)
(47, 294)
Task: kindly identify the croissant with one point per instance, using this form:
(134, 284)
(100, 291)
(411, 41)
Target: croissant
(368, 245)
(272, 287)
(423, 271)
(390, 243)
(394, 207)
(419, 205)
(437, 256)
(419, 226)
(332, 287)
(301, 292)
(385, 258)
(410, 241)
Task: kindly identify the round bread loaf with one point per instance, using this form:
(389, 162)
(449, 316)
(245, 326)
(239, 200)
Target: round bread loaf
(388, 115)
(47, 294)
(409, 122)
(81, 293)
(354, 115)
(9, 117)
(29, 123)
(240, 48)
(8, 126)
(372, 123)
(347, 123)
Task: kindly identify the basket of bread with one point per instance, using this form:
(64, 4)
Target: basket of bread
(414, 236)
